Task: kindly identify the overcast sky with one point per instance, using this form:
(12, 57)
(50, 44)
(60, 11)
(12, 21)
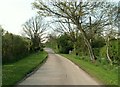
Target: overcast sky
(13, 13)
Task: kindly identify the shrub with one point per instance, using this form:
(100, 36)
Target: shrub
(14, 47)
(64, 44)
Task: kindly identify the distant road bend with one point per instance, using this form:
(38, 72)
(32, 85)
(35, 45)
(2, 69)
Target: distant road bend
(59, 71)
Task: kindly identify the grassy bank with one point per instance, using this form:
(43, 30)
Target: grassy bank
(12, 73)
(107, 77)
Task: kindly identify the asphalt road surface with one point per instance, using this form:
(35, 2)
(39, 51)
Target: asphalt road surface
(58, 70)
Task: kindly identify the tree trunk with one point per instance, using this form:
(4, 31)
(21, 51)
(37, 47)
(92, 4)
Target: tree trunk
(74, 45)
(107, 51)
(92, 56)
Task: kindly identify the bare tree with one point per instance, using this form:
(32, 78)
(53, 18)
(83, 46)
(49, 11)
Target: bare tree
(65, 26)
(110, 31)
(35, 28)
(78, 14)
(68, 10)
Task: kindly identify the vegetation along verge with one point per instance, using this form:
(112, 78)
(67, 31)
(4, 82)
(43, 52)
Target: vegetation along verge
(14, 72)
(107, 76)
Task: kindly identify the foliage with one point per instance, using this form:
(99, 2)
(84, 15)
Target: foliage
(113, 51)
(90, 19)
(52, 39)
(64, 44)
(34, 28)
(106, 76)
(80, 47)
(98, 42)
(12, 47)
(14, 72)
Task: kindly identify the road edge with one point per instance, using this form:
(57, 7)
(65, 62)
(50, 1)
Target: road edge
(97, 80)
(33, 71)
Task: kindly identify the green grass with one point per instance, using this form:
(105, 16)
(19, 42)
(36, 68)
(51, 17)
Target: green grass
(12, 73)
(106, 77)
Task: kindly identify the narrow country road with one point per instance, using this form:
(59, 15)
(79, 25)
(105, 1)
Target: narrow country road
(59, 71)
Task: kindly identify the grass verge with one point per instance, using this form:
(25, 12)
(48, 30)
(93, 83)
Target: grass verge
(107, 77)
(13, 73)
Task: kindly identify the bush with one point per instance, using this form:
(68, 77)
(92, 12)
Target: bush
(96, 51)
(103, 52)
(98, 42)
(14, 47)
(64, 44)
(113, 51)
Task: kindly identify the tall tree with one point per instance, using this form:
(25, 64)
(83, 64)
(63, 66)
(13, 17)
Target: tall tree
(35, 29)
(68, 10)
(78, 14)
(65, 26)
